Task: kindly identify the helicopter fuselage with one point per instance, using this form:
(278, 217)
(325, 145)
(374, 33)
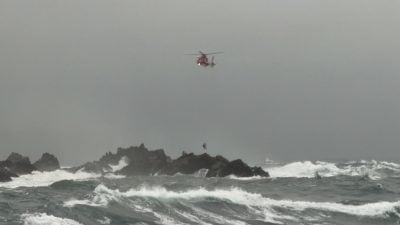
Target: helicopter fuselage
(202, 60)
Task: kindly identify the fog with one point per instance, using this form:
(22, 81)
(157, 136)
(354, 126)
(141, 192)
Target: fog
(298, 80)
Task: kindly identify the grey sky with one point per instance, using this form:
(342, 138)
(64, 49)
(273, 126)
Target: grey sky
(298, 80)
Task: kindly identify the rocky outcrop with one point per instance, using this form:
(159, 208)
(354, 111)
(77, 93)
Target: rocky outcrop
(47, 162)
(136, 161)
(258, 171)
(241, 169)
(16, 165)
(13, 166)
(217, 166)
(190, 163)
(5, 174)
(141, 161)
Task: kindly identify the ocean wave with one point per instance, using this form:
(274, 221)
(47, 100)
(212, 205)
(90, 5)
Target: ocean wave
(246, 178)
(103, 196)
(197, 217)
(105, 220)
(71, 184)
(269, 209)
(113, 176)
(373, 169)
(44, 219)
(37, 179)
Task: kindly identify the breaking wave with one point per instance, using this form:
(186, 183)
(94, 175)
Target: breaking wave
(44, 219)
(37, 179)
(246, 178)
(267, 209)
(373, 169)
(113, 176)
(121, 164)
(105, 220)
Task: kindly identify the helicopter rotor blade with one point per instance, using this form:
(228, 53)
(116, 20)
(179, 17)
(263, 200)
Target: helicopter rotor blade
(213, 53)
(202, 53)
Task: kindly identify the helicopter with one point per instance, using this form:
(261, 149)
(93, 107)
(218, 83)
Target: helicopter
(202, 59)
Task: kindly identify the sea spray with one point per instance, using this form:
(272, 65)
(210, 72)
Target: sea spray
(92, 199)
(44, 219)
(373, 169)
(121, 164)
(36, 178)
(253, 201)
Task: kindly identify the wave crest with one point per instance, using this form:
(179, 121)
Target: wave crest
(37, 179)
(268, 208)
(373, 169)
(44, 219)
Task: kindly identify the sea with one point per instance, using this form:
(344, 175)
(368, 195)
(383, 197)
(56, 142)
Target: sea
(303, 192)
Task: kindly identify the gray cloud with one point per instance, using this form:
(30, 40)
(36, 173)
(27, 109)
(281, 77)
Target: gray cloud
(298, 80)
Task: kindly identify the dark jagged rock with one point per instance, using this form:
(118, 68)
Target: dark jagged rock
(15, 157)
(190, 163)
(217, 166)
(258, 171)
(47, 162)
(18, 164)
(141, 161)
(238, 168)
(5, 174)
(13, 166)
(241, 169)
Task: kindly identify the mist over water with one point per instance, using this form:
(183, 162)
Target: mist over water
(301, 80)
(356, 192)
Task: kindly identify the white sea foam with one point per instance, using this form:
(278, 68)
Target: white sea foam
(72, 202)
(246, 178)
(262, 206)
(114, 176)
(44, 219)
(304, 169)
(372, 168)
(121, 164)
(102, 196)
(110, 174)
(36, 178)
(105, 220)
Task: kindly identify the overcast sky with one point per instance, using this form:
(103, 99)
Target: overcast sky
(298, 80)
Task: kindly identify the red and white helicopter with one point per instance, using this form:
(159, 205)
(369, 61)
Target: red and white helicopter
(202, 59)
